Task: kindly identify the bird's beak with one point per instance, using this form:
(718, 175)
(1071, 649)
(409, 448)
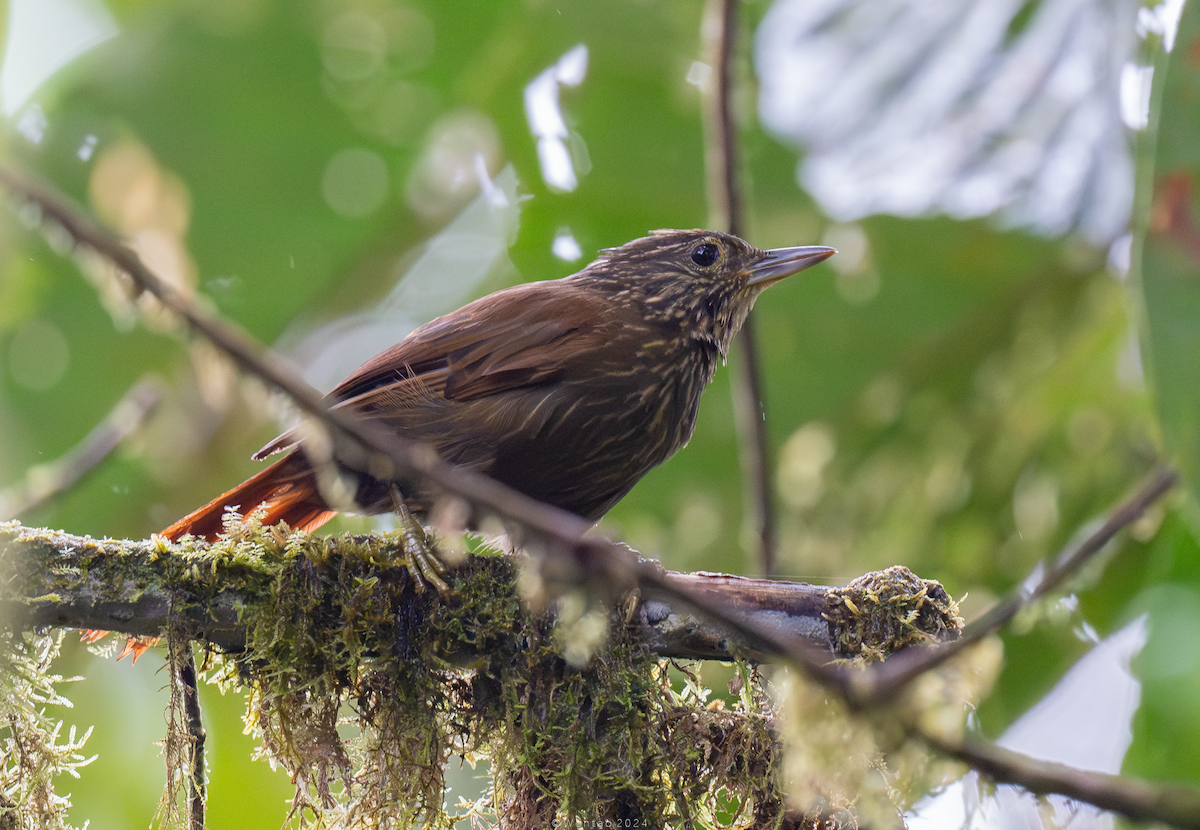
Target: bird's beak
(778, 263)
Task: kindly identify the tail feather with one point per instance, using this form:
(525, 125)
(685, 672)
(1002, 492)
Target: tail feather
(287, 490)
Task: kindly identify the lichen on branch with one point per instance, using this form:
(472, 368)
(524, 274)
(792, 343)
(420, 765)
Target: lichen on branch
(330, 633)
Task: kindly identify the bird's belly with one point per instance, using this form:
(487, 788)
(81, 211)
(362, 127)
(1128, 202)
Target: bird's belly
(584, 451)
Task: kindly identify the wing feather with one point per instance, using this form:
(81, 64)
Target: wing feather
(501, 343)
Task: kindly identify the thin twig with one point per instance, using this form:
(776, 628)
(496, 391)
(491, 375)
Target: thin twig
(725, 194)
(46, 482)
(197, 784)
(725, 191)
(1072, 559)
(881, 682)
(750, 416)
(885, 679)
(1133, 798)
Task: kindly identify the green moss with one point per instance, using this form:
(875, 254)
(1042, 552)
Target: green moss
(884, 611)
(425, 676)
(340, 642)
(363, 683)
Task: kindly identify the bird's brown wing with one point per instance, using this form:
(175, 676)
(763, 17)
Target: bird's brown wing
(501, 343)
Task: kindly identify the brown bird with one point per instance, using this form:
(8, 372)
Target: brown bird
(568, 390)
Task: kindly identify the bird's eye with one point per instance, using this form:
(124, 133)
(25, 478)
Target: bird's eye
(705, 254)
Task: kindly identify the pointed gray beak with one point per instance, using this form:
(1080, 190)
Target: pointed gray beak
(778, 263)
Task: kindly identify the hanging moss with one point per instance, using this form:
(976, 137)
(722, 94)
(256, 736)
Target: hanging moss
(363, 684)
(341, 637)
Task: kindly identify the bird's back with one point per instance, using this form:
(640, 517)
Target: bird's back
(550, 387)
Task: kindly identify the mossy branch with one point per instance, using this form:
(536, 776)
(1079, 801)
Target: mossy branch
(313, 625)
(326, 631)
(220, 592)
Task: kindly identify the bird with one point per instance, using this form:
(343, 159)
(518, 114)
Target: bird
(567, 390)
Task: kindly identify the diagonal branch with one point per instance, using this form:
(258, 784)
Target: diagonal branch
(1133, 798)
(46, 482)
(886, 679)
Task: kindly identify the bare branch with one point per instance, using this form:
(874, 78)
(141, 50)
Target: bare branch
(47, 482)
(886, 679)
(724, 181)
(139, 588)
(728, 200)
(1131, 797)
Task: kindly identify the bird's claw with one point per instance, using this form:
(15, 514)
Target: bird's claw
(422, 560)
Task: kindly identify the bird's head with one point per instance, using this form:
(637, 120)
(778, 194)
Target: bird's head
(703, 282)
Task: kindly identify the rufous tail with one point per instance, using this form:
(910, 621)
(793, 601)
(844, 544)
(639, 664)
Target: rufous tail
(287, 490)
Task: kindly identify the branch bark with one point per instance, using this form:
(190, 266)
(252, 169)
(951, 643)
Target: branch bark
(728, 201)
(219, 592)
(1133, 798)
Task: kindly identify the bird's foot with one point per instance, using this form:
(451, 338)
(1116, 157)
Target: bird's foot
(422, 560)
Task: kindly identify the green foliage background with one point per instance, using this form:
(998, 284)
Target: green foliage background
(965, 419)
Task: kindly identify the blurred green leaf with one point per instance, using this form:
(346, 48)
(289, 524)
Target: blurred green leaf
(1169, 244)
